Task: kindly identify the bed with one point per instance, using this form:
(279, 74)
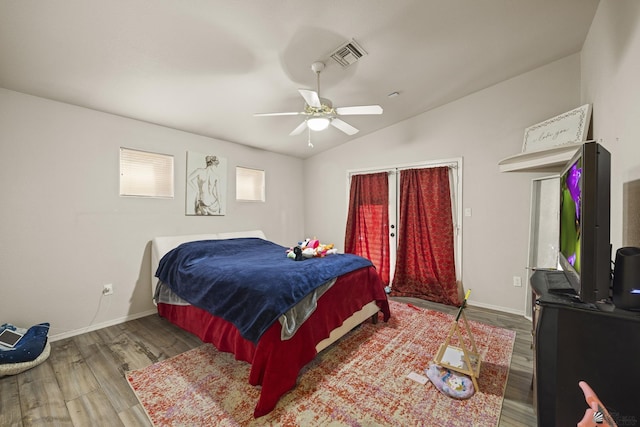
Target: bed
(278, 352)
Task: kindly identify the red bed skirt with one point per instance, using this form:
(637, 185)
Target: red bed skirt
(275, 364)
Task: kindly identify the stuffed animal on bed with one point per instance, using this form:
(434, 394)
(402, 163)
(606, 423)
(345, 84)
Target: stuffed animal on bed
(311, 248)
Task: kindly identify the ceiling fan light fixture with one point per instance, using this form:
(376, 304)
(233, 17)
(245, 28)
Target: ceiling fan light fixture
(318, 123)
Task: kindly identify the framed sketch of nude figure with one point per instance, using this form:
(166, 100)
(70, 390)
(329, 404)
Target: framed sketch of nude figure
(206, 184)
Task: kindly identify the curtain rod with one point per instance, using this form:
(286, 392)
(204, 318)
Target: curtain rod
(395, 170)
(451, 164)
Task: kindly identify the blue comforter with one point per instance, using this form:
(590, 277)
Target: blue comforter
(249, 282)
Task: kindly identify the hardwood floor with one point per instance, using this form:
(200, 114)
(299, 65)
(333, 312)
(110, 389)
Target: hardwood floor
(82, 383)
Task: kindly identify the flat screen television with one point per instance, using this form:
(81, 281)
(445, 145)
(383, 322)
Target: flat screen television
(585, 203)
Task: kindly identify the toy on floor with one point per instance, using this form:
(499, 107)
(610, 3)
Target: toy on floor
(449, 382)
(462, 358)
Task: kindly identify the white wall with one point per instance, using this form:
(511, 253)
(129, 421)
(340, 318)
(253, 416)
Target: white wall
(65, 232)
(610, 64)
(483, 128)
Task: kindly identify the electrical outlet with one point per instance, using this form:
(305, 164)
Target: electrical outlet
(107, 289)
(517, 281)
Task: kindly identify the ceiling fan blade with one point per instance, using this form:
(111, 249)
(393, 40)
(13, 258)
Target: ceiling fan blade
(344, 126)
(275, 114)
(302, 126)
(311, 97)
(362, 109)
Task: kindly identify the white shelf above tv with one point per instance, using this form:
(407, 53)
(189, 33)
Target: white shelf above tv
(547, 160)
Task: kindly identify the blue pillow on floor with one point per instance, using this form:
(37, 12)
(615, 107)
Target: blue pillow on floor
(28, 348)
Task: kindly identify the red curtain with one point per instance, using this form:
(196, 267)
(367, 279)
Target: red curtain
(367, 231)
(425, 263)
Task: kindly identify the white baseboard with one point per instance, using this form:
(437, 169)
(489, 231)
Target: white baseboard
(496, 307)
(97, 326)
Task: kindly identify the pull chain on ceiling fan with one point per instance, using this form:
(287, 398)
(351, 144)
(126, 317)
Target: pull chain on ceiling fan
(320, 112)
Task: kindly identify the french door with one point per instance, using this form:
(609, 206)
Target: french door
(393, 205)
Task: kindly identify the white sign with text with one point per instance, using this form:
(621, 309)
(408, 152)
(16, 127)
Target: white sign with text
(568, 127)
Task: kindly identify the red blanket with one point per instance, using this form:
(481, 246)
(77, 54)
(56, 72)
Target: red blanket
(275, 364)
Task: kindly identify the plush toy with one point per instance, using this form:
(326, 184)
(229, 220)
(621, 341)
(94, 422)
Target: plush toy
(310, 248)
(295, 253)
(308, 252)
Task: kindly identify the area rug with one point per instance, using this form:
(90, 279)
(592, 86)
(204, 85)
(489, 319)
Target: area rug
(359, 381)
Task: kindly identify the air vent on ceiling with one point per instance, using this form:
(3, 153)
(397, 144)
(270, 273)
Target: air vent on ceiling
(348, 53)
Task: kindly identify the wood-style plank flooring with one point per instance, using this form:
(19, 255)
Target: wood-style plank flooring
(83, 384)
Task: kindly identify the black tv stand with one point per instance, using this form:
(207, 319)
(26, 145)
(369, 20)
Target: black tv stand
(573, 341)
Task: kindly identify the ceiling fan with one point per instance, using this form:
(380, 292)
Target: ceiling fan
(320, 112)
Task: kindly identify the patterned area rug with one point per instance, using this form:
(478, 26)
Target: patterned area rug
(359, 381)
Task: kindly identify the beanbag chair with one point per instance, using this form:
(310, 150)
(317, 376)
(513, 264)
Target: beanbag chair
(30, 351)
(450, 383)
(16, 368)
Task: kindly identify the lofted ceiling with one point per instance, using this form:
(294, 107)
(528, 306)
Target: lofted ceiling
(206, 66)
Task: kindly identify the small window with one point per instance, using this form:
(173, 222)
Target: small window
(145, 174)
(249, 184)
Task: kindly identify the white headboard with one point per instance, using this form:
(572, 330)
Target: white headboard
(163, 244)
